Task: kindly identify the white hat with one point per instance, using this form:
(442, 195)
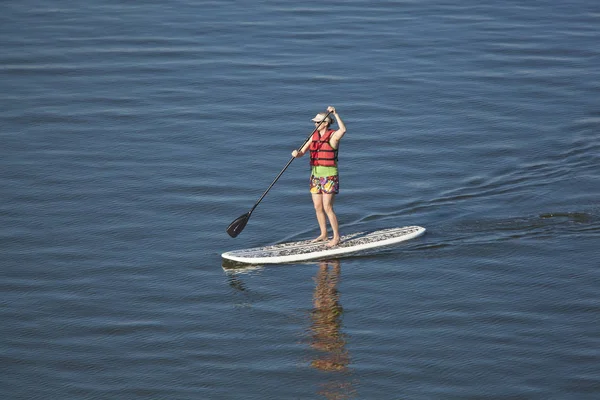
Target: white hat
(319, 117)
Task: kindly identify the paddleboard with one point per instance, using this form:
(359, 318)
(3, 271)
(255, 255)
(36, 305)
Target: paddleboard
(306, 250)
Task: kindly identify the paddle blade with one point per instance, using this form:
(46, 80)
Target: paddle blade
(237, 226)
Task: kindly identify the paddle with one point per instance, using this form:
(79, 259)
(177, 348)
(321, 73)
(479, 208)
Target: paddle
(237, 226)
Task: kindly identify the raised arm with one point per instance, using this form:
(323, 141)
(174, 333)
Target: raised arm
(337, 135)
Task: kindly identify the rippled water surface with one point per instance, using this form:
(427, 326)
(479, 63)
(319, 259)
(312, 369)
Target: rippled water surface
(133, 133)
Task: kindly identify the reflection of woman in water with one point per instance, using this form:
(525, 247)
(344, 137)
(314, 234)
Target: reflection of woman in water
(327, 336)
(326, 317)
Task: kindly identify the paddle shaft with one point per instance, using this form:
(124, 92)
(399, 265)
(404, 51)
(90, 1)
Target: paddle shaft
(287, 165)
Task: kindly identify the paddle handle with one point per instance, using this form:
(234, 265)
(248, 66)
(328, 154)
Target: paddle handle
(288, 164)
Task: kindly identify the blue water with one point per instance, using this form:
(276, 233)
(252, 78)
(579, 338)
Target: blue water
(132, 134)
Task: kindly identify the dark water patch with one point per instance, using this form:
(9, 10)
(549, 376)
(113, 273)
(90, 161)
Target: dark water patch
(577, 217)
(545, 226)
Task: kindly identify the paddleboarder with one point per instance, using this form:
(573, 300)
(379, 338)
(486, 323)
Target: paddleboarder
(324, 178)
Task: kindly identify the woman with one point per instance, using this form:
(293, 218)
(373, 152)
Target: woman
(324, 181)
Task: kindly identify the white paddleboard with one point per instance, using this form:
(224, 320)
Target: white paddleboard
(305, 250)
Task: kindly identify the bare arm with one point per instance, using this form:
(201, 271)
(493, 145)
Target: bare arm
(337, 135)
(303, 150)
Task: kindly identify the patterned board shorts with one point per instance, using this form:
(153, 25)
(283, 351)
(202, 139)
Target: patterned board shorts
(325, 184)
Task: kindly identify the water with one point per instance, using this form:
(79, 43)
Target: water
(133, 134)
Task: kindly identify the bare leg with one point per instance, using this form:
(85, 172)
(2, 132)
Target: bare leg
(321, 217)
(328, 200)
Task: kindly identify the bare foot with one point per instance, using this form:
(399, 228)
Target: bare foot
(319, 239)
(333, 242)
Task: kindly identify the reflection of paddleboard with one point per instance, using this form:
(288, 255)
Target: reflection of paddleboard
(305, 250)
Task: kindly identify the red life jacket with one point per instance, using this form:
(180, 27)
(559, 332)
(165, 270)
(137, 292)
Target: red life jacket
(321, 152)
